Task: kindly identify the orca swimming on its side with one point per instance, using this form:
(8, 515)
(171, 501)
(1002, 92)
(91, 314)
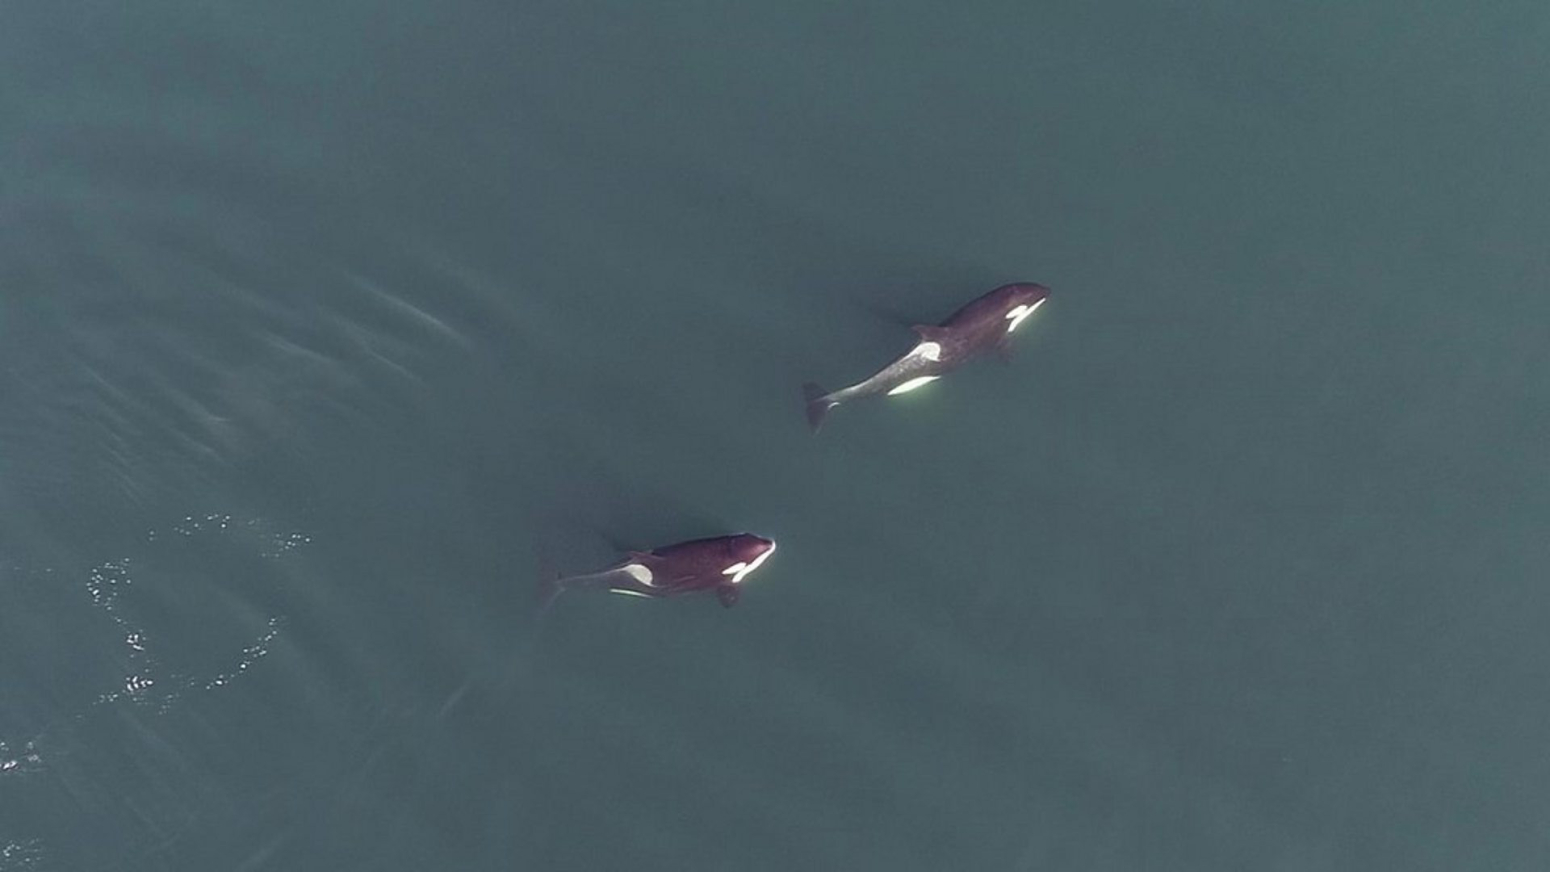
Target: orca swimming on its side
(717, 564)
(985, 324)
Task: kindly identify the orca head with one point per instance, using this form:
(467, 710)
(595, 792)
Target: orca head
(1019, 301)
(747, 553)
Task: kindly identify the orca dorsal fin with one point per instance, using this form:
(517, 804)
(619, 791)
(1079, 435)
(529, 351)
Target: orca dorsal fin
(930, 332)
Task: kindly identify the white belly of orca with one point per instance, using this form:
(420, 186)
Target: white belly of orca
(913, 384)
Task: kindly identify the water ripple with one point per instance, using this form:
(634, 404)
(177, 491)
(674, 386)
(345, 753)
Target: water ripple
(233, 573)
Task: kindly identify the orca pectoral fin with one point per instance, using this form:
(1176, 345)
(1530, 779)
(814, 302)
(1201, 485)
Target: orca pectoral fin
(1003, 350)
(728, 594)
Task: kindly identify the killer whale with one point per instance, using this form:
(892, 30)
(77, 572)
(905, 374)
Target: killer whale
(983, 325)
(718, 564)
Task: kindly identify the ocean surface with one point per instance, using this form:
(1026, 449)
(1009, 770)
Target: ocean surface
(327, 330)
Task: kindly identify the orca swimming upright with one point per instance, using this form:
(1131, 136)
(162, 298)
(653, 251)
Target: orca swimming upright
(717, 564)
(985, 324)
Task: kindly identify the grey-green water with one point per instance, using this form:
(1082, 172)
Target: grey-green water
(322, 326)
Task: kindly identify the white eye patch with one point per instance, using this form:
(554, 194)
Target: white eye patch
(1018, 313)
(740, 570)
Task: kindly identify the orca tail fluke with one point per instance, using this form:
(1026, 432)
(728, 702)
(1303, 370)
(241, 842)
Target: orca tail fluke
(818, 404)
(548, 592)
(550, 586)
